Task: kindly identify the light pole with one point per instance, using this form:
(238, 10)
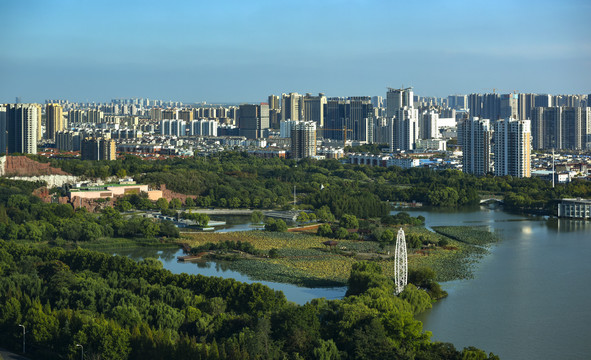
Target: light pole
(23, 326)
(82, 351)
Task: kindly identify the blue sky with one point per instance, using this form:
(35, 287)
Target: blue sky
(242, 51)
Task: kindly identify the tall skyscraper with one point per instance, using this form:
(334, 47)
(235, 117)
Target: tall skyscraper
(537, 127)
(335, 118)
(360, 118)
(512, 140)
(54, 120)
(509, 106)
(314, 108)
(291, 106)
(98, 149)
(526, 103)
(474, 137)
(402, 119)
(21, 125)
(428, 124)
(252, 120)
(398, 98)
(274, 111)
(94, 116)
(572, 128)
(404, 129)
(303, 139)
(75, 117)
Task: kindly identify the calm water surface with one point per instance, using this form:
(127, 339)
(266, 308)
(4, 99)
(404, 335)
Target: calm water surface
(297, 294)
(529, 298)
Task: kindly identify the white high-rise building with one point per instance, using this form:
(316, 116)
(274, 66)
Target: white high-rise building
(403, 119)
(512, 148)
(474, 137)
(428, 126)
(398, 98)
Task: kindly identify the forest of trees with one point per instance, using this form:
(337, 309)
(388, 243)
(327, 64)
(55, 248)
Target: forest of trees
(239, 180)
(120, 309)
(25, 217)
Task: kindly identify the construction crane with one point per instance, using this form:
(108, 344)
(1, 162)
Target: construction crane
(344, 130)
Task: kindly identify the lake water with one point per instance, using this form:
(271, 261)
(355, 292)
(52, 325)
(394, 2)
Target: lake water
(297, 294)
(529, 298)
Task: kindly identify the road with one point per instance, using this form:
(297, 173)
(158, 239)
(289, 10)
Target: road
(7, 355)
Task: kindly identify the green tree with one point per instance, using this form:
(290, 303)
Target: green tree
(162, 204)
(349, 222)
(189, 202)
(256, 217)
(175, 204)
(324, 230)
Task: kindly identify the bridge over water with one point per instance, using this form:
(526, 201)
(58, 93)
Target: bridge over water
(492, 199)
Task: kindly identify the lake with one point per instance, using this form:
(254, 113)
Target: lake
(529, 297)
(297, 294)
(527, 300)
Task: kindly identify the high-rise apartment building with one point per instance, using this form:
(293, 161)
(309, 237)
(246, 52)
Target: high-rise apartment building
(402, 119)
(428, 124)
(512, 149)
(274, 102)
(526, 103)
(75, 117)
(68, 140)
(54, 120)
(360, 118)
(398, 98)
(303, 139)
(187, 115)
(474, 137)
(94, 116)
(253, 120)
(93, 148)
(404, 129)
(509, 106)
(22, 124)
(274, 111)
(457, 102)
(291, 106)
(537, 127)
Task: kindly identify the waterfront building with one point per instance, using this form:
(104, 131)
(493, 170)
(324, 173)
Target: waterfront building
(574, 208)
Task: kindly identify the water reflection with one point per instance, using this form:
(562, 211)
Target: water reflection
(299, 295)
(568, 225)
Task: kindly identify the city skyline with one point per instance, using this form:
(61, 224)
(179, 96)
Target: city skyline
(242, 52)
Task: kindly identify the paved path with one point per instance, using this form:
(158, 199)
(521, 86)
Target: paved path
(11, 356)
